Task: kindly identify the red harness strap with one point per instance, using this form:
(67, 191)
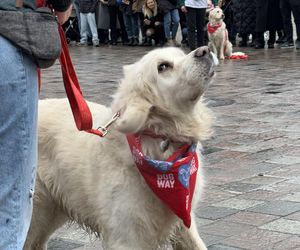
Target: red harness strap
(80, 109)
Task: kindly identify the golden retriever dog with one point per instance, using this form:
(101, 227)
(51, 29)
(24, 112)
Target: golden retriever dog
(218, 34)
(94, 181)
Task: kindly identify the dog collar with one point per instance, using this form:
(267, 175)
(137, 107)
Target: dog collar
(212, 29)
(172, 181)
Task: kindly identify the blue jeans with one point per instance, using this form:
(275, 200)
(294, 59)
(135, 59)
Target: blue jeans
(88, 23)
(171, 18)
(18, 144)
(132, 25)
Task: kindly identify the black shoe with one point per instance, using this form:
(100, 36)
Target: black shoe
(114, 43)
(271, 46)
(259, 46)
(135, 42)
(144, 41)
(130, 42)
(148, 42)
(242, 43)
(287, 45)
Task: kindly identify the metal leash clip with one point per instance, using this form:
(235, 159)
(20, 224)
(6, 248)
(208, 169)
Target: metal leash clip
(104, 128)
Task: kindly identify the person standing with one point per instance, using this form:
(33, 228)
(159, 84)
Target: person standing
(195, 11)
(88, 22)
(171, 20)
(268, 17)
(18, 131)
(287, 7)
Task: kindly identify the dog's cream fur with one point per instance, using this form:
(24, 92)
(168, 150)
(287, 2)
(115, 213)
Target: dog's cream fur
(218, 41)
(94, 181)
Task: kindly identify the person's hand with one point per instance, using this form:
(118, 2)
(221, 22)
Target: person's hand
(103, 1)
(125, 2)
(183, 9)
(157, 23)
(147, 22)
(62, 17)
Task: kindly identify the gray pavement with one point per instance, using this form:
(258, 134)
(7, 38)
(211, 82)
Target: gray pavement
(252, 195)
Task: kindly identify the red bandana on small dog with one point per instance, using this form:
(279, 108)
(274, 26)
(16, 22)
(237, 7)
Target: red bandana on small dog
(173, 181)
(213, 29)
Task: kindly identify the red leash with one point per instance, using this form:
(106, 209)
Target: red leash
(81, 112)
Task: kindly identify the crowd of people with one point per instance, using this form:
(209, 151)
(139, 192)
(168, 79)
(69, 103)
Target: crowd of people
(113, 21)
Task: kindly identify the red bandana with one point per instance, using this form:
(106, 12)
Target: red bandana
(173, 181)
(212, 29)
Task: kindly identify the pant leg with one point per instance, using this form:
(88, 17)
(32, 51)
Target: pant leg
(272, 37)
(92, 25)
(127, 22)
(135, 25)
(200, 24)
(18, 144)
(84, 30)
(122, 25)
(76, 6)
(167, 24)
(295, 5)
(191, 25)
(287, 19)
(175, 22)
(112, 10)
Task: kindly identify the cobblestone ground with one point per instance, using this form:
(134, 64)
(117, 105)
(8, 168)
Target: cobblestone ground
(252, 194)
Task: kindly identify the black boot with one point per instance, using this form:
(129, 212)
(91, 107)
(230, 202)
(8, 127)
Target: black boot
(130, 42)
(135, 42)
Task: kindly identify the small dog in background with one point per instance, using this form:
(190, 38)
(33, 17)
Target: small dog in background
(218, 34)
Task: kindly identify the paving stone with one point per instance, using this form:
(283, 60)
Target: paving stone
(203, 222)
(283, 225)
(262, 180)
(225, 228)
(294, 216)
(249, 218)
(222, 247)
(277, 208)
(239, 187)
(292, 197)
(237, 203)
(209, 239)
(214, 213)
(261, 195)
(256, 239)
(292, 243)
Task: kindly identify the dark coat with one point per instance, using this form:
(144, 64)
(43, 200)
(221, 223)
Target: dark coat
(244, 16)
(87, 6)
(167, 5)
(268, 15)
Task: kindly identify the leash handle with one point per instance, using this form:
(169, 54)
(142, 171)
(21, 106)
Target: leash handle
(81, 112)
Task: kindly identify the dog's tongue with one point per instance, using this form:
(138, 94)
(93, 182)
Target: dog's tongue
(172, 181)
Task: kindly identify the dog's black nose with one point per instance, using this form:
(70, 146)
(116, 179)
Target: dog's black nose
(202, 51)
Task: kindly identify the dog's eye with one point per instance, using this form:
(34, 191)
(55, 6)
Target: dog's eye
(163, 67)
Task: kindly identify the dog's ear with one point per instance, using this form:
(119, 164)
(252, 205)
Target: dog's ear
(134, 117)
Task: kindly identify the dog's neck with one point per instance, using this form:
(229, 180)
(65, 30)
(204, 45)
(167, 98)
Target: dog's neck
(213, 27)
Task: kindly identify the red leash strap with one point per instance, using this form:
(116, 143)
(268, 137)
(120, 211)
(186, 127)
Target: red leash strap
(81, 112)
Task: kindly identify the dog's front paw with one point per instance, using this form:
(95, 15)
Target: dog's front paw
(222, 57)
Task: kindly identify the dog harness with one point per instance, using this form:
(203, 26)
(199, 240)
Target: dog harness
(172, 181)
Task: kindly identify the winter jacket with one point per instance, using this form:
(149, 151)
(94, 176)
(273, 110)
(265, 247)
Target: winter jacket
(87, 6)
(59, 5)
(167, 5)
(244, 12)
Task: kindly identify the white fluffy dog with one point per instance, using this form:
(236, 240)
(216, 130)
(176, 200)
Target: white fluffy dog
(218, 34)
(95, 182)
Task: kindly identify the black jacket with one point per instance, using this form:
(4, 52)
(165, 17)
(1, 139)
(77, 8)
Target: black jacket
(87, 6)
(244, 16)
